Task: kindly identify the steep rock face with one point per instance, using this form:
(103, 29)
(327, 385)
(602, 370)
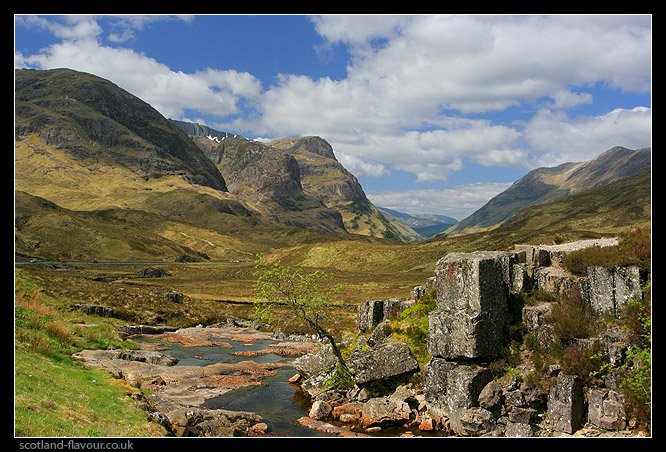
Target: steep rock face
(549, 184)
(471, 306)
(321, 179)
(91, 118)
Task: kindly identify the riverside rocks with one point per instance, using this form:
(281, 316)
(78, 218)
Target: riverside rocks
(566, 404)
(606, 409)
(451, 388)
(311, 365)
(471, 306)
(384, 361)
(384, 409)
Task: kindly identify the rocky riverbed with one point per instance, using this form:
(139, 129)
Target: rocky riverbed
(188, 372)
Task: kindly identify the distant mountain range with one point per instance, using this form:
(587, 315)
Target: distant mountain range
(550, 184)
(100, 174)
(423, 225)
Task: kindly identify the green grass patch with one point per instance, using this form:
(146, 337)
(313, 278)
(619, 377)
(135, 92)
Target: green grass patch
(412, 327)
(61, 398)
(55, 396)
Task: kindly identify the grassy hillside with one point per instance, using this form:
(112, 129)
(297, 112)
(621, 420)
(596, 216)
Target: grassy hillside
(95, 121)
(550, 184)
(55, 396)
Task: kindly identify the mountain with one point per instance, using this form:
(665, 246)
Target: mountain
(101, 174)
(549, 184)
(424, 225)
(294, 180)
(93, 120)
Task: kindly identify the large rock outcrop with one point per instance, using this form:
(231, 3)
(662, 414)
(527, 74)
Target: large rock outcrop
(611, 288)
(471, 306)
(451, 388)
(606, 409)
(383, 362)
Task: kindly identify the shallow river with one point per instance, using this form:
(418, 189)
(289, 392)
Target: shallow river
(276, 401)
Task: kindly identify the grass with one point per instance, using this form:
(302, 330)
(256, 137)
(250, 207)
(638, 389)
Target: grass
(61, 398)
(412, 327)
(55, 396)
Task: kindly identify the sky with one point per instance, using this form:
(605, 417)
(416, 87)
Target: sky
(433, 114)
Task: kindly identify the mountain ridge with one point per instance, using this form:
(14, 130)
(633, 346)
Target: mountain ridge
(551, 183)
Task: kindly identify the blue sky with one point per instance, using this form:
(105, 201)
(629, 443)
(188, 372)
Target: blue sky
(431, 113)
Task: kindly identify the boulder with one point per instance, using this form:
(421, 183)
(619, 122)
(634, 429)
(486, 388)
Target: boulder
(382, 362)
(534, 316)
(148, 357)
(259, 428)
(348, 412)
(369, 314)
(476, 422)
(380, 333)
(516, 430)
(174, 296)
(534, 256)
(627, 284)
(515, 398)
(523, 415)
(520, 280)
(533, 398)
(152, 272)
(606, 409)
(384, 409)
(320, 410)
(490, 397)
(393, 308)
(451, 388)
(91, 309)
(311, 365)
(145, 329)
(559, 282)
(615, 344)
(566, 404)
(601, 289)
(471, 306)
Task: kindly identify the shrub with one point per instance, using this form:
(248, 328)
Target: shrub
(572, 318)
(582, 360)
(341, 379)
(577, 262)
(634, 249)
(637, 385)
(538, 296)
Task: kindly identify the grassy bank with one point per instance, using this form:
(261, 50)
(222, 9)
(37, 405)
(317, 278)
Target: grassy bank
(55, 396)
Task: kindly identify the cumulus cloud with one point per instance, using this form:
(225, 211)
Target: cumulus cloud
(458, 202)
(558, 138)
(211, 91)
(414, 90)
(564, 99)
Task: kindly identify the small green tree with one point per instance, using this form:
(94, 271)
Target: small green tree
(309, 297)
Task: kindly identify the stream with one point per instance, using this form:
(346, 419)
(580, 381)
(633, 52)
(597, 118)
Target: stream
(279, 403)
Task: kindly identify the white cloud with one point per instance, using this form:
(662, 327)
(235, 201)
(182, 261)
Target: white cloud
(458, 202)
(361, 167)
(564, 99)
(557, 138)
(405, 104)
(215, 92)
(358, 30)
(431, 64)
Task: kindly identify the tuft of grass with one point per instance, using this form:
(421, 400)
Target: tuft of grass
(412, 327)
